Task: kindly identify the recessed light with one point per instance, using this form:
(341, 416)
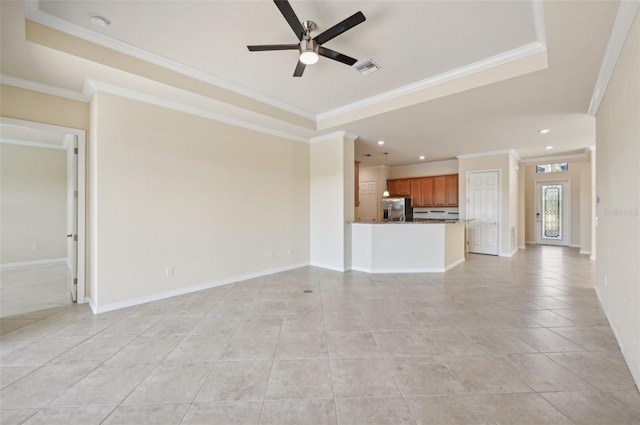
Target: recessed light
(99, 21)
(421, 157)
(381, 142)
(544, 131)
(548, 147)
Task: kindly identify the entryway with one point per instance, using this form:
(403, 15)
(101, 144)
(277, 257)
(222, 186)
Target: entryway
(553, 212)
(43, 216)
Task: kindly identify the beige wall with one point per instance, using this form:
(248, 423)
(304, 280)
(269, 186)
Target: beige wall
(39, 107)
(436, 168)
(331, 194)
(618, 187)
(579, 176)
(504, 163)
(213, 201)
(33, 203)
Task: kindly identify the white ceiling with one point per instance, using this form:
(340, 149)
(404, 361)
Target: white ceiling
(414, 42)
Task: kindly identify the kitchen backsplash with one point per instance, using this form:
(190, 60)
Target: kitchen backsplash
(435, 212)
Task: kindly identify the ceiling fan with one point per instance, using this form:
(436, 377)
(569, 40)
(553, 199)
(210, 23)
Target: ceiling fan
(309, 47)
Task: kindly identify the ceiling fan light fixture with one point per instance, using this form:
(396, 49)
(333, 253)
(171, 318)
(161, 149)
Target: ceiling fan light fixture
(308, 51)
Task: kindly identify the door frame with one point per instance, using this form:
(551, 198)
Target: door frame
(498, 226)
(566, 211)
(81, 138)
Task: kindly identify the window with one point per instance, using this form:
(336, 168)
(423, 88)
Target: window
(552, 168)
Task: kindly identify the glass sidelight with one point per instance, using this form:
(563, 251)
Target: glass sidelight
(552, 211)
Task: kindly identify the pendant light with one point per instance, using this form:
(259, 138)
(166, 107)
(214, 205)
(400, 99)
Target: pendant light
(385, 194)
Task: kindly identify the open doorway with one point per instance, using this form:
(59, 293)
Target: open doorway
(42, 203)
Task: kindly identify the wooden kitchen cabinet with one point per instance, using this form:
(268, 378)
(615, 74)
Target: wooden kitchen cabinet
(422, 192)
(440, 191)
(445, 191)
(452, 190)
(436, 191)
(427, 191)
(399, 187)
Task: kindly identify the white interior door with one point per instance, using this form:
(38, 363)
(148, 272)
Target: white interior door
(553, 212)
(483, 190)
(368, 210)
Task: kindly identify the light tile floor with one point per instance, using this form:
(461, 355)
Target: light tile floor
(24, 289)
(517, 340)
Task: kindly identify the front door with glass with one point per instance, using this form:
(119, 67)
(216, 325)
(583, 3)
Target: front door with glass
(552, 213)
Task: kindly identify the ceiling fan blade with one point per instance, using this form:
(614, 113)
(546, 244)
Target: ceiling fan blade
(290, 16)
(332, 54)
(299, 69)
(336, 30)
(266, 47)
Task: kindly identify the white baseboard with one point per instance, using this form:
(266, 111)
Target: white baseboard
(419, 270)
(508, 254)
(633, 368)
(574, 246)
(522, 247)
(330, 267)
(530, 242)
(89, 300)
(592, 257)
(455, 263)
(182, 291)
(33, 263)
(585, 252)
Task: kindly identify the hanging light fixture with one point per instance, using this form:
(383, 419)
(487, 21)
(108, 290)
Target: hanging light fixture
(385, 194)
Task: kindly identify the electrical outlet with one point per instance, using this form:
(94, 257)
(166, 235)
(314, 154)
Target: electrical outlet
(605, 281)
(170, 271)
(34, 247)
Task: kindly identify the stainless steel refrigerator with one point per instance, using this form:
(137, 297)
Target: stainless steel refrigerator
(397, 209)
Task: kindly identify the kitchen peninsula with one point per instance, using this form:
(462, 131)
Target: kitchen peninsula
(406, 247)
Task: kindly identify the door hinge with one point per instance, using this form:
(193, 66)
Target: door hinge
(75, 281)
(75, 238)
(75, 193)
(75, 150)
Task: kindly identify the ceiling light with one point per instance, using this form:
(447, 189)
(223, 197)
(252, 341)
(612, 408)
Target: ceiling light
(548, 147)
(421, 157)
(544, 131)
(308, 51)
(381, 142)
(99, 21)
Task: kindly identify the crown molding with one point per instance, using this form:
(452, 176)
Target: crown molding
(42, 88)
(538, 21)
(332, 136)
(93, 86)
(491, 153)
(30, 144)
(555, 158)
(621, 27)
(90, 86)
(464, 71)
(33, 13)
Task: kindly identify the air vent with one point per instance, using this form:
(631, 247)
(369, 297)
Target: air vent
(368, 67)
